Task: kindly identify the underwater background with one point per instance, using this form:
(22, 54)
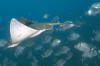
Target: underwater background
(62, 46)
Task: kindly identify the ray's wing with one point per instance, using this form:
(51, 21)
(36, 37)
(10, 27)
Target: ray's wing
(19, 31)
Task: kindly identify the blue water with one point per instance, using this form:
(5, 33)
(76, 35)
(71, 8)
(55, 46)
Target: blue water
(69, 9)
(34, 10)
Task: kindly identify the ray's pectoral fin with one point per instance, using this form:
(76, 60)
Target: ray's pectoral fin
(25, 21)
(20, 32)
(10, 44)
